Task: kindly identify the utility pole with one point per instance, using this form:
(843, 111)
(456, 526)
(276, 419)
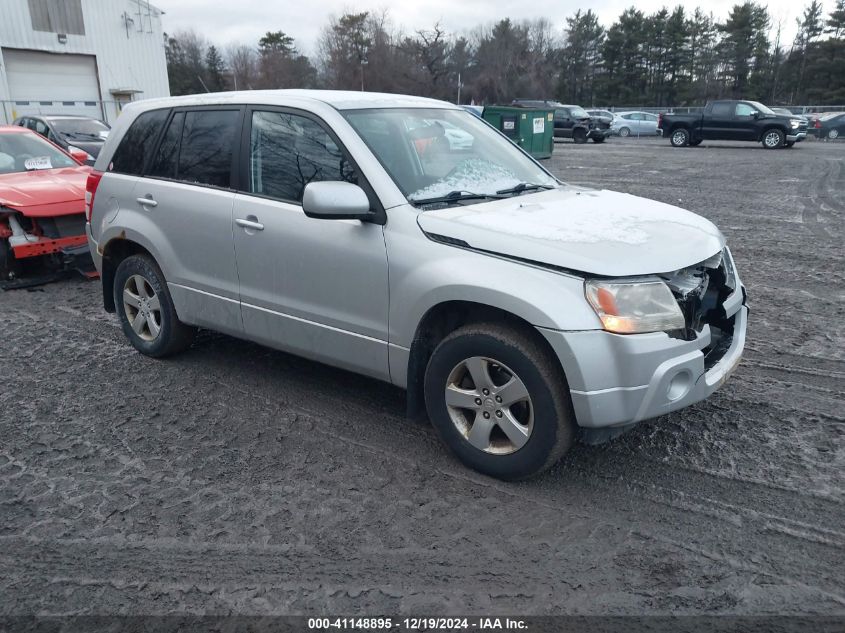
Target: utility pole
(459, 89)
(363, 63)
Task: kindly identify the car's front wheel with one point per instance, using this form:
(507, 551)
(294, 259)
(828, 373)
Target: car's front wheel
(146, 310)
(773, 139)
(499, 401)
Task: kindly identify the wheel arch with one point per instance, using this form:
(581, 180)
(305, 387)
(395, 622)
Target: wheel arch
(442, 319)
(114, 252)
(772, 126)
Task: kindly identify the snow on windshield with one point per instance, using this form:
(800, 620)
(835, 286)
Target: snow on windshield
(474, 176)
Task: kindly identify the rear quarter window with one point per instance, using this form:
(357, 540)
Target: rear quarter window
(137, 144)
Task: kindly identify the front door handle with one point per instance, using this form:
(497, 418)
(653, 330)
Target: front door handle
(250, 222)
(147, 202)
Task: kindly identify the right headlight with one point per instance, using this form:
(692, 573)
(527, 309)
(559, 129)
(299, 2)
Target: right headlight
(634, 307)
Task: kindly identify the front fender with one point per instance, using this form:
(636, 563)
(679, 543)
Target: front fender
(542, 297)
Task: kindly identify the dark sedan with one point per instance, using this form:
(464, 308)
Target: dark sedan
(71, 133)
(829, 125)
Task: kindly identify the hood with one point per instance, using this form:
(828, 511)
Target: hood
(48, 192)
(598, 232)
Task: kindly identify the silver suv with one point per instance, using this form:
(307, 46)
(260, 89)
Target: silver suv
(351, 228)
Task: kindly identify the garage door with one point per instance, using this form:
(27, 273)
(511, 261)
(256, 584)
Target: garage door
(45, 83)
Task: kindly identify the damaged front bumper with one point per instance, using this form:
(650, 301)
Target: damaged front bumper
(617, 380)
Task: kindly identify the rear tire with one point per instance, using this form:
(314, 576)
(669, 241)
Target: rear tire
(499, 400)
(623, 132)
(679, 137)
(146, 310)
(579, 135)
(773, 139)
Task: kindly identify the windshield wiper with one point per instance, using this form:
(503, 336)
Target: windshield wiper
(523, 186)
(457, 196)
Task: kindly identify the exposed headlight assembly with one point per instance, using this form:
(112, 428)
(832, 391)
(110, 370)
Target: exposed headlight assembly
(634, 307)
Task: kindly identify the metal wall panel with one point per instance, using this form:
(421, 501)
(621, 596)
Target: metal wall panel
(125, 36)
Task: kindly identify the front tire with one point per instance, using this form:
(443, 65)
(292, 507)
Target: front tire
(680, 137)
(773, 139)
(499, 400)
(146, 310)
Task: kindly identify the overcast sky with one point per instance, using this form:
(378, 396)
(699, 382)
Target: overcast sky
(223, 22)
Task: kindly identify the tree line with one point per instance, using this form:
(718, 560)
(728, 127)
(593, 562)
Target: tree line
(667, 58)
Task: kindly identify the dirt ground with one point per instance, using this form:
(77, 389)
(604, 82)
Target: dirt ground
(237, 479)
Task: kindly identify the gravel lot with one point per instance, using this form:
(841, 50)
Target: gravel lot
(238, 479)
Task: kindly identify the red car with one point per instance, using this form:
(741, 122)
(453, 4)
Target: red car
(42, 207)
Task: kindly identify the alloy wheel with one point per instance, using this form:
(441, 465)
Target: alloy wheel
(489, 405)
(772, 139)
(142, 308)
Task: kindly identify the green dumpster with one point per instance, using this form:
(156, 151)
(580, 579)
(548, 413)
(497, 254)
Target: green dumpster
(530, 128)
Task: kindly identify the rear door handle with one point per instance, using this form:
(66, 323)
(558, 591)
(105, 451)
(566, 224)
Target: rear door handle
(147, 202)
(251, 223)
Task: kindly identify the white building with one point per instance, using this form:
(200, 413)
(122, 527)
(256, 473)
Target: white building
(79, 56)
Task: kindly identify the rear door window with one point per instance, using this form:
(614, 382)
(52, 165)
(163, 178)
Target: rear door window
(207, 147)
(137, 144)
(721, 110)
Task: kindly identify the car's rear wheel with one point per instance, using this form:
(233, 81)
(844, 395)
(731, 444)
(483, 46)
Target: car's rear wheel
(579, 135)
(679, 137)
(773, 139)
(146, 310)
(499, 401)
(623, 131)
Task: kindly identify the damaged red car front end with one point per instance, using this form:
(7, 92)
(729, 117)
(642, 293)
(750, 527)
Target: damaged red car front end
(42, 210)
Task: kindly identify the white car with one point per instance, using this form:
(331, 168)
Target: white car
(634, 124)
(346, 228)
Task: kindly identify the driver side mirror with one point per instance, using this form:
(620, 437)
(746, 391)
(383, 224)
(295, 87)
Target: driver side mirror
(336, 200)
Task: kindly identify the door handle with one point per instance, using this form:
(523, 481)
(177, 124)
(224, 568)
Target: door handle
(250, 222)
(147, 202)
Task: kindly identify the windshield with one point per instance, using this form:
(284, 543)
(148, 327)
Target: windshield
(21, 152)
(432, 152)
(81, 128)
(761, 107)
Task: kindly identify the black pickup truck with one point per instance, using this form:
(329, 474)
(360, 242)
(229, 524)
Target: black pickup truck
(734, 121)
